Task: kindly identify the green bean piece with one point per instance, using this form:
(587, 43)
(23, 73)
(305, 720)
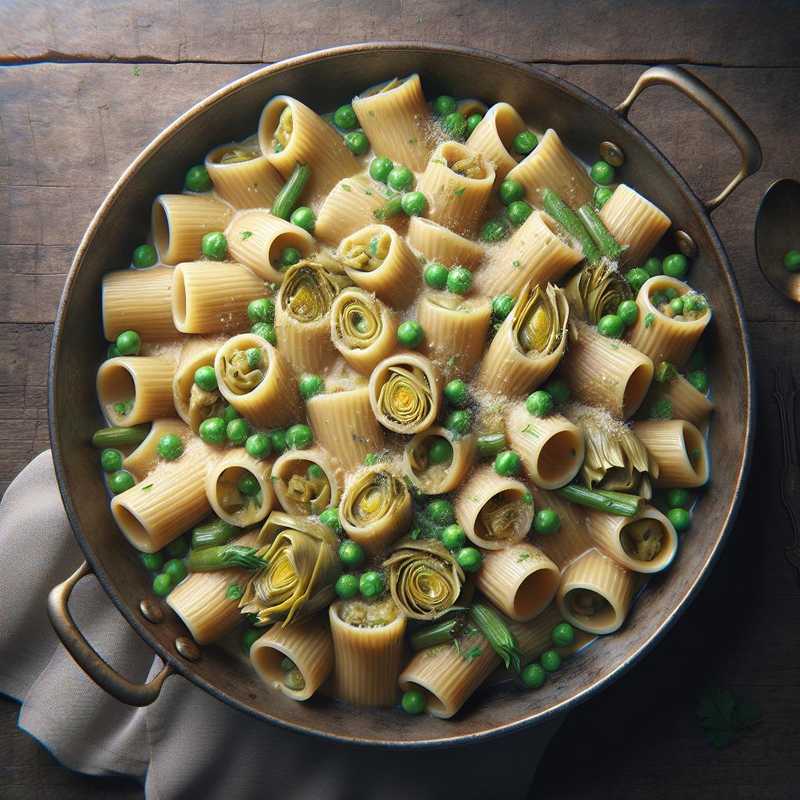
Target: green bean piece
(502, 641)
(619, 503)
(436, 634)
(606, 243)
(226, 556)
(389, 210)
(490, 444)
(120, 437)
(212, 534)
(571, 223)
(289, 195)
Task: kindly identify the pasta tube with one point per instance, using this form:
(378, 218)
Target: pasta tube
(493, 137)
(375, 508)
(687, 402)
(535, 254)
(425, 469)
(634, 222)
(144, 457)
(192, 403)
(257, 240)
(135, 389)
(520, 580)
(494, 511)
(309, 648)
(343, 423)
(438, 243)
(306, 482)
(529, 344)
(595, 593)
(606, 372)
(265, 394)
(290, 133)
(377, 259)
(404, 393)
(368, 650)
(232, 505)
(211, 298)
(138, 300)
(242, 176)
(679, 450)
(535, 636)
(457, 183)
(394, 116)
(180, 221)
(551, 448)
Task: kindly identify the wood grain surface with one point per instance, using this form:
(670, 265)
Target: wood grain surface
(90, 83)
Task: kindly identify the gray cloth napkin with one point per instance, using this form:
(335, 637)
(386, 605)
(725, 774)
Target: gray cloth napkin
(188, 744)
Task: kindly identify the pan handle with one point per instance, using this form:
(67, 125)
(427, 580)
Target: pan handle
(133, 694)
(712, 104)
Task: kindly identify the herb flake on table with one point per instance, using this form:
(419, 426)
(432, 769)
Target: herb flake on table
(725, 717)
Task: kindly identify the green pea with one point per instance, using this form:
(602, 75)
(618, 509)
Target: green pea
(258, 445)
(357, 142)
(144, 256)
(370, 584)
(661, 409)
(413, 203)
(676, 265)
(459, 280)
(679, 498)
(456, 393)
(162, 584)
(602, 172)
(248, 485)
(212, 430)
(550, 660)
(176, 570)
(436, 275)
(261, 310)
(680, 519)
(370, 459)
(469, 559)
(653, 266)
(289, 257)
(234, 592)
(128, 343)
(206, 378)
(636, 278)
(540, 403)
(455, 126)
(441, 511)
(459, 422)
(444, 105)
(237, 431)
(351, 553)
(380, 167)
(111, 460)
(152, 561)
(473, 120)
(250, 637)
(120, 481)
(791, 261)
(602, 194)
(525, 142)
(330, 517)
(123, 408)
(315, 471)
(563, 635)
(230, 413)
(345, 118)
(533, 676)
(197, 179)
(493, 231)
(511, 191)
(177, 548)
(676, 306)
(440, 452)
(518, 212)
(670, 293)
(253, 355)
(298, 437)
(278, 439)
(410, 333)
(310, 385)
(453, 537)
(694, 302)
(304, 218)
(346, 586)
(214, 246)
(112, 351)
(502, 306)
(699, 379)
(170, 447)
(628, 312)
(266, 330)
(658, 299)
(559, 391)
(507, 463)
(400, 178)
(413, 702)
(611, 325)
(546, 521)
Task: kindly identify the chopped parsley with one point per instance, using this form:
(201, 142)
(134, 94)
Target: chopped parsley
(515, 263)
(725, 717)
(523, 557)
(458, 192)
(346, 187)
(529, 429)
(246, 234)
(149, 486)
(472, 653)
(649, 319)
(137, 71)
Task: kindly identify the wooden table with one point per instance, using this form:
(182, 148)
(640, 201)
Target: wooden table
(90, 82)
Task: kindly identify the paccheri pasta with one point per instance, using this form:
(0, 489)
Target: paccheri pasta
(404, 396)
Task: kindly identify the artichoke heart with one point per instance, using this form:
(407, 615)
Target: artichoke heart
(203, 404)
(597, 290)
(406, 396)
(239, 376)
(367, 256)
(501, 516)
(587, 603)
(642, 539)
(374, 496)
(308, 291)
(452, 302)
(237, 155)
(359, 322)
(615, 459)
(302, 567)
(375, 614)
(470, 166)
(283, 130)
(312, 494)
(540, 318)
(424, 578)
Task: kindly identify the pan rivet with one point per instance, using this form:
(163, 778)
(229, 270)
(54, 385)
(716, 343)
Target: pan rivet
(612, 154)
(685, 244)
(187, 648)
(151, 612)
